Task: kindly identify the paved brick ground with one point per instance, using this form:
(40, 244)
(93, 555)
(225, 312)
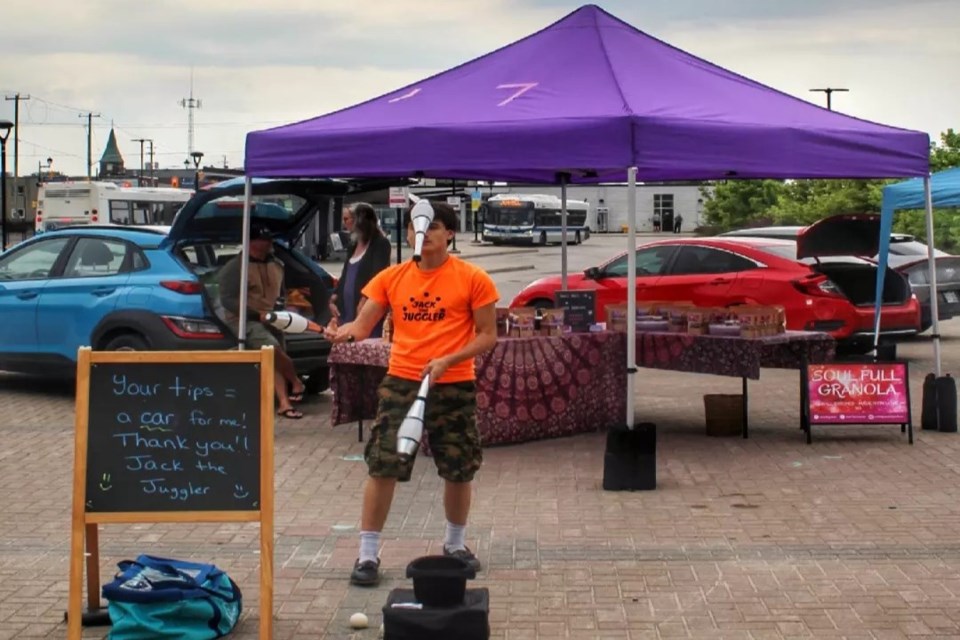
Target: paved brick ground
(855, 536)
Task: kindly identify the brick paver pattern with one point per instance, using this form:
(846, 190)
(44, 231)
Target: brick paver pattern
(856, 536)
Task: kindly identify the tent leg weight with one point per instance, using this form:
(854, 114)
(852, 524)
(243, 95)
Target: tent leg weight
(939, 405)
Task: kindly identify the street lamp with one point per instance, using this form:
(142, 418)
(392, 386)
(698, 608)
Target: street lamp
(197, 156)
(829, 91)
(41, 167)
(5, 127)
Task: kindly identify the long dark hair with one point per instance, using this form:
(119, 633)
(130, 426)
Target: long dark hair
(365, 223)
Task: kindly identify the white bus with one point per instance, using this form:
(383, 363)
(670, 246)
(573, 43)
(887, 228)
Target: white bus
(533, 219)
(62, 204)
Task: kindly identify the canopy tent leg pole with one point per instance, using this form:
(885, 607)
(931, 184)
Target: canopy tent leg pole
(563, 232)
(932, 267)
(245, 261)
(631, 291)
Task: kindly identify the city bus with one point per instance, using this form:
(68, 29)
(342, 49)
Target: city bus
(62, 204)
(523, 218)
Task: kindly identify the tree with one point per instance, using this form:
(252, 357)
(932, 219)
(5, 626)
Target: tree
(947, 153)
(754, 203)
(803, 202)
(740, 203)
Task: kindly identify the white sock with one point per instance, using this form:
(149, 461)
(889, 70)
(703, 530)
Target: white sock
(453, 539)
(369, 545)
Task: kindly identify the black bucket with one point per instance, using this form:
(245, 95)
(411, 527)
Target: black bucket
(439, 581)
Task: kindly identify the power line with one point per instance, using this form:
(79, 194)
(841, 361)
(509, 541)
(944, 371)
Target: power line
(57, 104)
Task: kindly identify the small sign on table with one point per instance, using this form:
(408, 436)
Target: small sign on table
(579, 308)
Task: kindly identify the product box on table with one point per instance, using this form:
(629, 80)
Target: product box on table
(521, 322)
(551, 322)
(616, 316)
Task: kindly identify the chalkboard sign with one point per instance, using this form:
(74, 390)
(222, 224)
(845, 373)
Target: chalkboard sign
(169, 437)
(578, 308)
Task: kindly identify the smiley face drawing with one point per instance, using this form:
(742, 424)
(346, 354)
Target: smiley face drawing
(105, 484)
(239, 492)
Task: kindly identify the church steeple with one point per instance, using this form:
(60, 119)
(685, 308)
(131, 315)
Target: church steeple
(111, 162)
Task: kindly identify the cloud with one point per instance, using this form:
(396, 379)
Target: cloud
(259, 63)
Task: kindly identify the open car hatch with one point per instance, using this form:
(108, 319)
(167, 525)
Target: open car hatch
(853, 234)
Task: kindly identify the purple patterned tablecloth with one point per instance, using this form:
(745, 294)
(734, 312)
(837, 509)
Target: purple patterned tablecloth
(732, 356)
(527, 388)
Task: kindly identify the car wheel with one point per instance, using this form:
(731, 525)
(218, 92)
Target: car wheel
(541, 303)
(126, 342)
(317, 381)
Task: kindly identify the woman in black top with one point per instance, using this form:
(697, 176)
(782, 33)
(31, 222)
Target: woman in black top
(368, 255)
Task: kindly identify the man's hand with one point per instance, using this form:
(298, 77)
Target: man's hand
(331, 327)
(436, 368)
(342, 334)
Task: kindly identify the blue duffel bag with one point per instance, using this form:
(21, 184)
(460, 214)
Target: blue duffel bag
(160, 598)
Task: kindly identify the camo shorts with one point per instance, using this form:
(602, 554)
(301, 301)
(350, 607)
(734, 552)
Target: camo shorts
(450, 423)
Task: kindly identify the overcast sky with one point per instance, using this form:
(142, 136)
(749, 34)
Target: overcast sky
(261, 63)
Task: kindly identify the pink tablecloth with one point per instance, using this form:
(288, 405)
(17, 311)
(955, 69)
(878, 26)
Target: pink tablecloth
(527, 388)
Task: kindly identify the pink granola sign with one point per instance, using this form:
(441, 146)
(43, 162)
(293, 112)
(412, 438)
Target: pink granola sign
(858, 393)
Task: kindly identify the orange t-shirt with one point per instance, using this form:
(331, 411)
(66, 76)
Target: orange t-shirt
(432, 313)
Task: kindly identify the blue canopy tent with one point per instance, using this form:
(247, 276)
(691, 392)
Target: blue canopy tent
(910, 194)
(941, 189)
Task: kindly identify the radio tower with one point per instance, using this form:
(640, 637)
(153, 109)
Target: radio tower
(190, 104)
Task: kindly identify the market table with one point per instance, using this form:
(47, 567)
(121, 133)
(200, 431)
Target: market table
(527, 388)
(547, 387)
(736, 356)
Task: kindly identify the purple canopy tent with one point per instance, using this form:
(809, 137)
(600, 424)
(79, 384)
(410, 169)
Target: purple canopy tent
(588, 99)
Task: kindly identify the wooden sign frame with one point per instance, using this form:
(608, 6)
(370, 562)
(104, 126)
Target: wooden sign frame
(84, 524)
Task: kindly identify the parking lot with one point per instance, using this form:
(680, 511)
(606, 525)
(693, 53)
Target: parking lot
(854, 536)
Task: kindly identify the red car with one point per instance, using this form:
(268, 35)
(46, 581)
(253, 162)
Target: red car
(835, 296)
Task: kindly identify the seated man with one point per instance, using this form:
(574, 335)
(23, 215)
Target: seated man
(264, 282)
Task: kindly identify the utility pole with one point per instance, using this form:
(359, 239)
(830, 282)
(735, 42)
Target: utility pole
(829, 91)
(16, 147)
(140, 175)
(190, 104)
(89, 117)
(152, 184)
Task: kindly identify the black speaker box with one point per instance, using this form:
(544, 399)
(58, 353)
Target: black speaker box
(467, 621)
(630, 460)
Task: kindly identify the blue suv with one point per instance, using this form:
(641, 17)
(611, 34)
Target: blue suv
(136, 288)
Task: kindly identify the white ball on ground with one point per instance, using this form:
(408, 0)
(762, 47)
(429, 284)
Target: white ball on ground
(359, 621)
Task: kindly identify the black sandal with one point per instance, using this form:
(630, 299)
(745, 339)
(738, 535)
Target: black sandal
(297, 397)
(290, 414)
